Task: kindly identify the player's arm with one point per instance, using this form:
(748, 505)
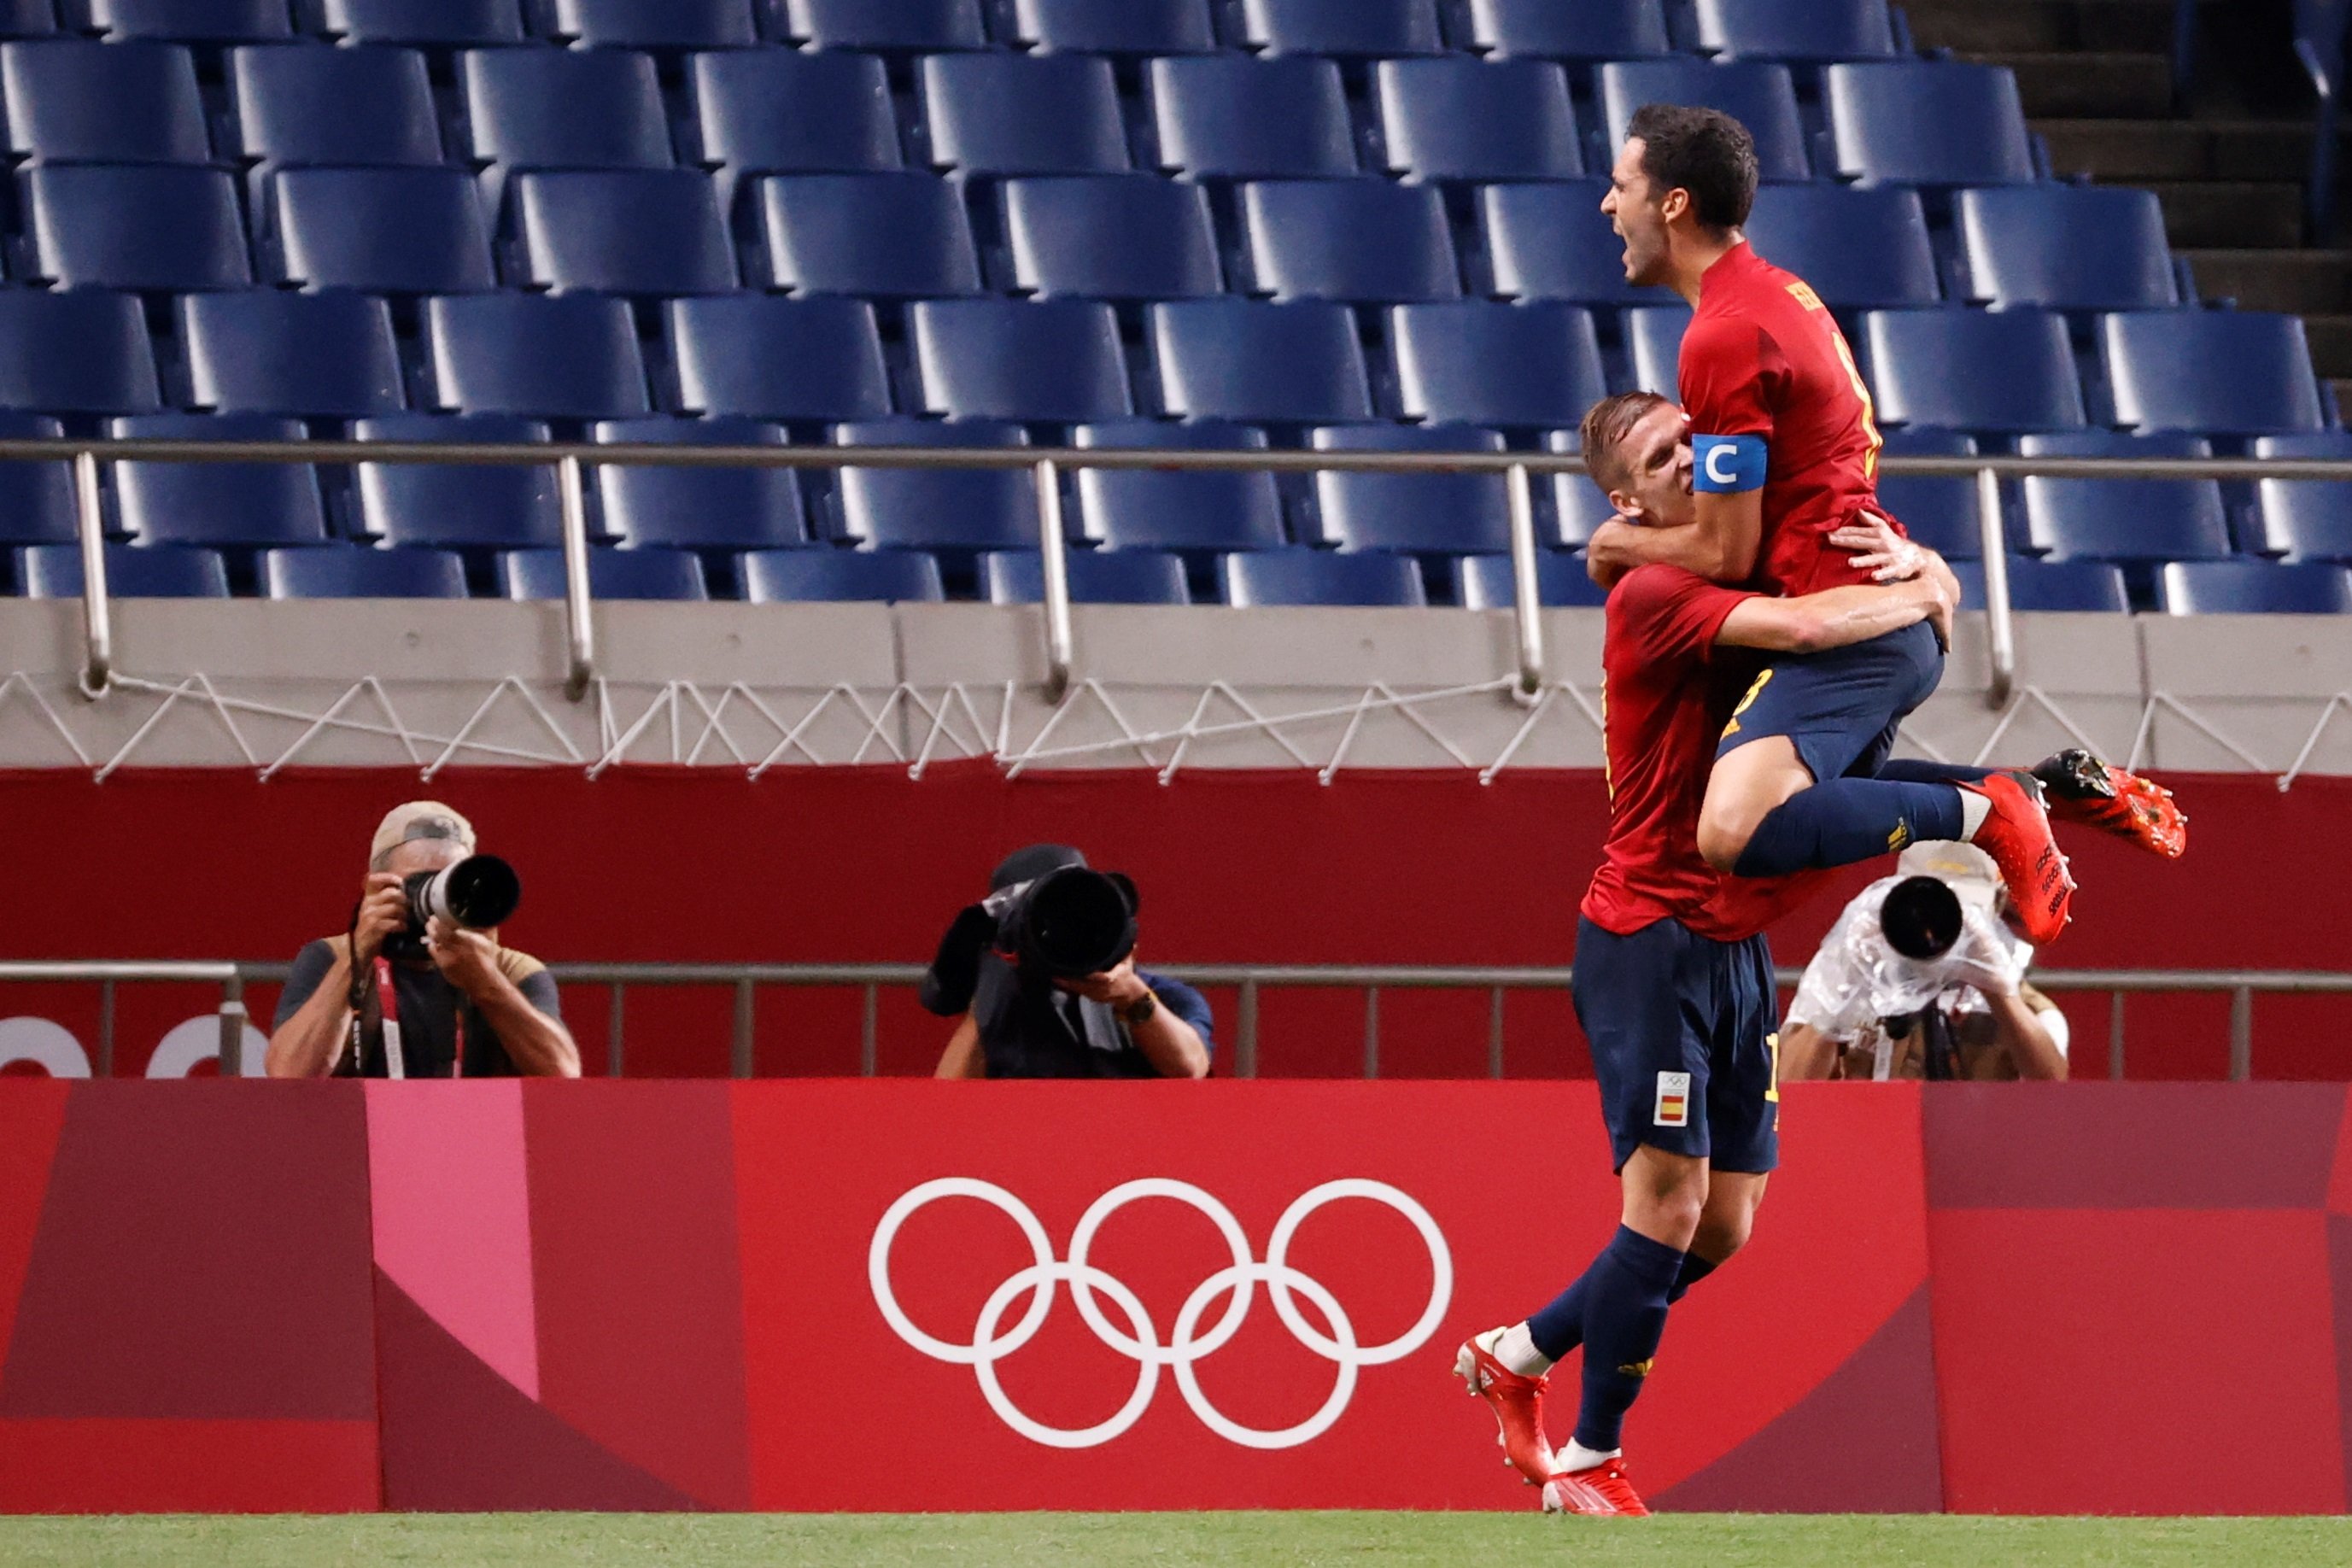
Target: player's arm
(1721, 546)
(1727, 372)
(1835, 617)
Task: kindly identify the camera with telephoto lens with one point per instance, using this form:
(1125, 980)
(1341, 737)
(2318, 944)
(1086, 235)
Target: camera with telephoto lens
(1921, 917)
(477, 892)
(1066, 924)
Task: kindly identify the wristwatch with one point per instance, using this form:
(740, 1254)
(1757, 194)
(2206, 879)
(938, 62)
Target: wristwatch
(1139, 1011)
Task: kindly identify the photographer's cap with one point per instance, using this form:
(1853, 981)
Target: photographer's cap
(1967, 870)
(420, 819)
(1028, 864)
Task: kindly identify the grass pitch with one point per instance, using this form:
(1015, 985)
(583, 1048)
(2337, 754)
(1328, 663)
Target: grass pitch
(1168, 1540)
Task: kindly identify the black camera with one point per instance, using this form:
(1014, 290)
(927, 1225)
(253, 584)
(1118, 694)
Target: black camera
(477, 892)
(1064, 923)
(1921, 917)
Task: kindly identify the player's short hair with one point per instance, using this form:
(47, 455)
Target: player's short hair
(1606, 424)
(1703, 151)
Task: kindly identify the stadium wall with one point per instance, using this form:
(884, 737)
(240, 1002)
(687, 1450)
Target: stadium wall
(335, 1296)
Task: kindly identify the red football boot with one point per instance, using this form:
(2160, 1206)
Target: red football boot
(1602, 1489)
(2017, 836)
(1516, 1402)
(2082, 788)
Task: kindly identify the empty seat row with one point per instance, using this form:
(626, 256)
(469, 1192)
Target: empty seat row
(1223, 117)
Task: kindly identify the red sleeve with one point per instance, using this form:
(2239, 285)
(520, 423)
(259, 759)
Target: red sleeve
(1669, 616)
(1730, 371)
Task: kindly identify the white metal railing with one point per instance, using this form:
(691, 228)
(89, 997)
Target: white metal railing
(1046, 464)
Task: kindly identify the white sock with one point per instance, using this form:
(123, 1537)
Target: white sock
(1975, 806)
(1516, 1350)
(1574, 1456)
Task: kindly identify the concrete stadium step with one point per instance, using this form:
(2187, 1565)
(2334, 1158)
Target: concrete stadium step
(2030, 26)
(2331, 344)
(2240, 216)
(2102, 85)
(2306, 282)
(2141, 151)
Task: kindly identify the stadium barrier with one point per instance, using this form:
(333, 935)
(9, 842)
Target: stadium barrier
(842, 1294)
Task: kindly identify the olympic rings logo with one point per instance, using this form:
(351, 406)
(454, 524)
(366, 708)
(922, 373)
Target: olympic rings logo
(1187, 1343)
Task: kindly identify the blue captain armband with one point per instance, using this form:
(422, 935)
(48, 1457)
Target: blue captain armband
(1726, 465)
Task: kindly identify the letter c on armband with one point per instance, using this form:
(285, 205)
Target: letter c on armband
(1726, 465)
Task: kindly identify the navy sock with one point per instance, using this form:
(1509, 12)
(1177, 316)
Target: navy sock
(1846, 820)
(1559, 1326)
(1624, 1317)
(1919, 770)
(1695, 1268)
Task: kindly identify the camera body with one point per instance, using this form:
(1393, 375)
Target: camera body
(477, 893)
(1069, 922)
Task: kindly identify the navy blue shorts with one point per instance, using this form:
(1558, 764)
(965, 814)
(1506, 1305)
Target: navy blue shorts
(1683, 1043)
(1842, 707)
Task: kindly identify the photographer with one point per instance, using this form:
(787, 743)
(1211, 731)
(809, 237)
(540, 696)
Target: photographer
(1920, 978)
(1042, 972)
(457, 1003)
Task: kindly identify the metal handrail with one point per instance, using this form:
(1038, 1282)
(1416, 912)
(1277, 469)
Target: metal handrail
(1046, 464)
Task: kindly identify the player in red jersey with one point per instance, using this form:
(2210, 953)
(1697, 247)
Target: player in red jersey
(1673, 987)
(1785, 453)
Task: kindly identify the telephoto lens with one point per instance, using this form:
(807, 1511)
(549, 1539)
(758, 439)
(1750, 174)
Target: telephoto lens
(1072, 922)
(477, 892)
(1921, 917)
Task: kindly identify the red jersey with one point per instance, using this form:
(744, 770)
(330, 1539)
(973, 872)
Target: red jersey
(1666, 692)
(1763, 357)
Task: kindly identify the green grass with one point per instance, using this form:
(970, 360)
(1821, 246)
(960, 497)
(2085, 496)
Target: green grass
(1165, 1540)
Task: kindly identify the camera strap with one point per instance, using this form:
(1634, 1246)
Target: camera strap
(394, 1060)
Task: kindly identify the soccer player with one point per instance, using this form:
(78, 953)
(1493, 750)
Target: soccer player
(1785, 452)
(1674, 990)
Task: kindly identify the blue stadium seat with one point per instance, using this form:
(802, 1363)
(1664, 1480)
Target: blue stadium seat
(901, 235)
(1320, 577)
(1346, 239)
(36, 499)
(72, 99)
(1488, 583)
(1993, 372)
(1429, 514)
(792, 576)
(2253, 588)
(1130, 508)
(1941, 514)
(431, 23)
(698, 509)
(1653, 345)
(1097, 577)
(1559, 29)
(1795, 29)
(379, 231)
(1127, 28)
(2068, 247)
(1051, 360)
(761, 111)
(27, 19)
(2304, 520)
(82, 352)
(212, 22)
(217, 503)
(1548, 241)
(777, 359)
(1265, 364)
(1760, 94)
(2049, 585)
(2122, 520)
(1230, 116)
(456, 505)
(889, 24)
(565, 108)
(611, 575)
(1862, 248)
(560, 357)
(264, 351)
(1467, 119)
(1109, 237)
(1473, 361)
(1022, 114)
(1926, 122)
(649, 23)
(133, 226)
(362, 106)
(354, 572)
(132, 571)
(2226, 373)
(1359, 28)
(1577, 507)
(620, 231)
(945, 508)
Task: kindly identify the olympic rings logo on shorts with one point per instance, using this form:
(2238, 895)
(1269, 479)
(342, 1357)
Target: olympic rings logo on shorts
(1187, 1344)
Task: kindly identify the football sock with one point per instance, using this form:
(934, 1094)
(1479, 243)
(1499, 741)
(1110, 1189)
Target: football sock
(1575, 1456)
(1919, 770)
(1515, 1349)
(1846, 820)
(1558, 1328)
(1695, 1268)
(1624, 1317)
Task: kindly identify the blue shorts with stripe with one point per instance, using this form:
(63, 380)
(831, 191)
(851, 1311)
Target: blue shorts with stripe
(1842, 707)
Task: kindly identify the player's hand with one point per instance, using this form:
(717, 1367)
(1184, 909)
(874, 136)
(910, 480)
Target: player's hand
(467, 959)
(1941, 607)
(384, 914)
(1119, 986)
(1609, 554)
(1983, 957)
(1878, 550)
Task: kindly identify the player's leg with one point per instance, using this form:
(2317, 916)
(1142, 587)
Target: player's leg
(1743, 1110)
(1724, 1227)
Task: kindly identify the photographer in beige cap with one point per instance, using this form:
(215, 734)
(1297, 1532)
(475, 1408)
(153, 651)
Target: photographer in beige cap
(1921, 978)
(397, 998)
